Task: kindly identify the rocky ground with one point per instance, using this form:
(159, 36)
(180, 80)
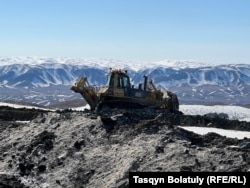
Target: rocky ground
(85, 149)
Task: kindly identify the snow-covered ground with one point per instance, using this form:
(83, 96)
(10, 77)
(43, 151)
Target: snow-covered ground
(223, 132)
(22, 106)
(233, 112)
(82, 108)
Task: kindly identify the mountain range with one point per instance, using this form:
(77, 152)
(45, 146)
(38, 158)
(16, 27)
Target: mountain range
(47, 81)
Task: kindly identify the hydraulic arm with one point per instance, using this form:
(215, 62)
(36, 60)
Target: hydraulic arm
(87, 92)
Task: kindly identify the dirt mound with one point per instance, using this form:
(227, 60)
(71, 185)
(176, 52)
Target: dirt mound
(84, 149)
(23, 114)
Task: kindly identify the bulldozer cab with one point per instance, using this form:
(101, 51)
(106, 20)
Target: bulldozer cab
(118, 83)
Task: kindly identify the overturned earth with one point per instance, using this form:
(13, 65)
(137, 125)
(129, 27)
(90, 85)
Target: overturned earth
(87, 149)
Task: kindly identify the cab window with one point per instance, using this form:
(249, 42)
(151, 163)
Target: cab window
(123, 81)
(110, 80)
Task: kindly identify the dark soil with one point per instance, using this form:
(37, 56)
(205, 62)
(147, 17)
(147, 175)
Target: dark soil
(84, 149)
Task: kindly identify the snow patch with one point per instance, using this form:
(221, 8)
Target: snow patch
(22, 106)
(222, 132)
(234, 112)
(86, 107)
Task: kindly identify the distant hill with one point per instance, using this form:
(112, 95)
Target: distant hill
(47, 81)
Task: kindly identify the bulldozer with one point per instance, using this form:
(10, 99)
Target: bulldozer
(120, 93)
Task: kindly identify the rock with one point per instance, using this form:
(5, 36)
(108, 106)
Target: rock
(245, 145)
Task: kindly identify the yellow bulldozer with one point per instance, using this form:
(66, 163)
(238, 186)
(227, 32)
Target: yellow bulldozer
(119, 93)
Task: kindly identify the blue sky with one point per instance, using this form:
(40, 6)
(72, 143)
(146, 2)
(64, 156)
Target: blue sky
(211, 31)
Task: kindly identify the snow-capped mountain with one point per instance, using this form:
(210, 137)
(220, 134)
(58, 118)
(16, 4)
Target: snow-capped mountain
(47, 80)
